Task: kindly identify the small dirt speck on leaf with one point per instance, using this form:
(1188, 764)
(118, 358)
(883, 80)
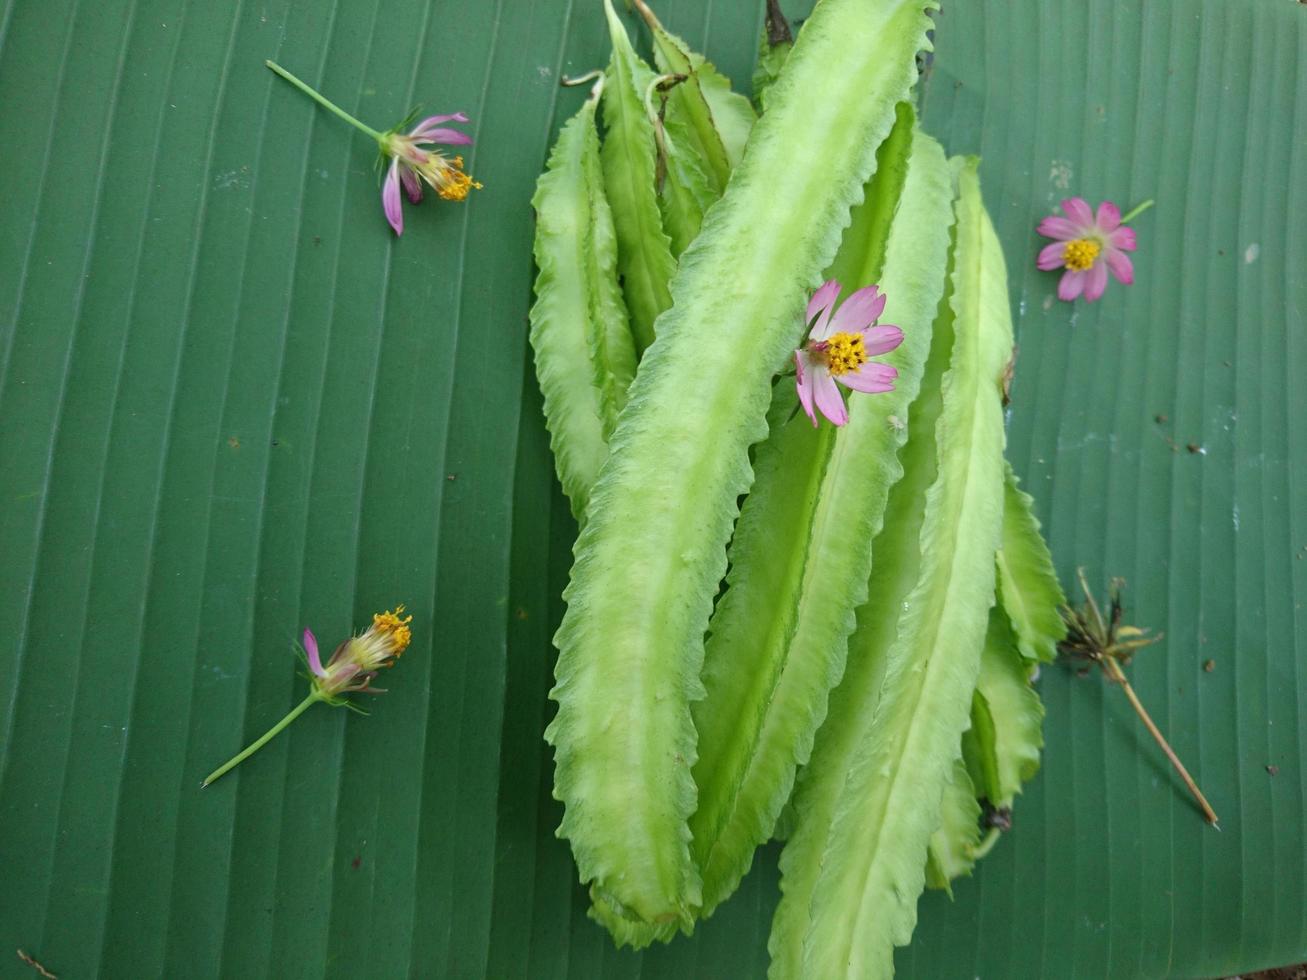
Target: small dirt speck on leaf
(1273, 770)
(1209, 665)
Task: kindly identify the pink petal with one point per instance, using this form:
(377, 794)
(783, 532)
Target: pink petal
(1071, 285)
(1050, 256)
(432, 121)
(820, 306)
(450, 137)
(412, 186)
(1109, 217)
(881, 339)
(1059, 228)
(390, 198)
(311, 649)
(1095, 281)
(829, 400)
(1077, 209)
(859, 311)
(1123, 237)
(870, 377)
(803, 381)
(1121, 266)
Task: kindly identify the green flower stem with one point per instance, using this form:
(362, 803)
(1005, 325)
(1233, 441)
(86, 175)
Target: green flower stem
(986, 845)
(1136, 211)
(263, 740)
(327, 103)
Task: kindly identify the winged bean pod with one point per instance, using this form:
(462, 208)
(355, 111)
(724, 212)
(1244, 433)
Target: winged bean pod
(873, 860)
(773, 48)
(687, 100)
(584, 356)
(687, 191)
(644, 256)
(953, 845)
(652, 553)
(1027, 581)
(854, 701)
(1003, 745)
(802, 548)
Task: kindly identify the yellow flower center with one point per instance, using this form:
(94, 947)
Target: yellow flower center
(447, 177)
(1080, 254)
(845, 352)
(394, 628)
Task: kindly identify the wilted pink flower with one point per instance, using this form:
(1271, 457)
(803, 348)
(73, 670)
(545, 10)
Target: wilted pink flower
(350, 669)
(839, 347)
(1087, 245)
(410, 161)
(357, 660)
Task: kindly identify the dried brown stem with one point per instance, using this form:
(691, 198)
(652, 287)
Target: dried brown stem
(1114, 672)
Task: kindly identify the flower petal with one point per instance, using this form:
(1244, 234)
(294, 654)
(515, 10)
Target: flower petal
(1121, 266)
(432, 121)
(871, 377)
(1071, 285)
(450, 137)
(803, 381)
(311, 651)
(881, 339)
(1077, 209)
(390, 198)
(1095, 281)
(1123, 237)
(829, 400)
(1051, 256)
(859, 311)
(820, 306)
(1060, 228)
(412, 186)
(1109, 217)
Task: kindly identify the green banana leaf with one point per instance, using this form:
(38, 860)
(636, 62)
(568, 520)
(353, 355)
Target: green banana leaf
(233, 405)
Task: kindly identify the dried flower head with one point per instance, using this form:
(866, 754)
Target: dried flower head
(349, 671)
(412, 155)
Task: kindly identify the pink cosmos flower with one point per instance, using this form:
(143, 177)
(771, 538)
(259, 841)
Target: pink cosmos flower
(839, 347)
(350, 669)
(1087, 245)
(356, 661)
(412, 157)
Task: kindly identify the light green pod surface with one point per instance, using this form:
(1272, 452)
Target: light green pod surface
(1002, 748)
(802, 550)
(644, 256)
(854, 701)
(584, 356)
(652, 553)
(874, 859)
(687, 192)
(952, 851)
(1027, 581)
(732, 113)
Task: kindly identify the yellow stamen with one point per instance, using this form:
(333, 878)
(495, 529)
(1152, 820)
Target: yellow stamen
(395, 628)
(845, 352)
(1080, 254)
(447, 177)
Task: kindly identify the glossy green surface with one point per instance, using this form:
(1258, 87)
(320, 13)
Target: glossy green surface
(231, 405)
